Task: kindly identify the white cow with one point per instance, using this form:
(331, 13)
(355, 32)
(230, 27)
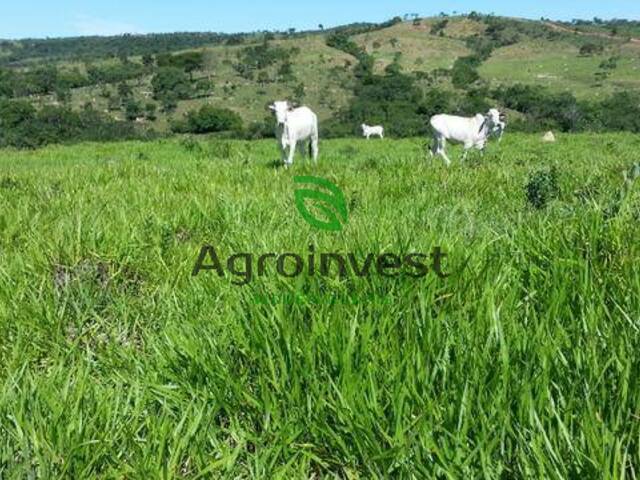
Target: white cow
(472, 132)
(367, 131)
(295, 125)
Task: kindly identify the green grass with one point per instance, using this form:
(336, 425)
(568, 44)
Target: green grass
(116, 363)
(561, 68)
(420, 50)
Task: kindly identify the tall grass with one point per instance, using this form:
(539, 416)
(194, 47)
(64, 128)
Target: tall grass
(116, 363)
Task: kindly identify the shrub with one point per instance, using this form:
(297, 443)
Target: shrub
(589, 49)
(542, 187)
(439, 26)
(209, 119)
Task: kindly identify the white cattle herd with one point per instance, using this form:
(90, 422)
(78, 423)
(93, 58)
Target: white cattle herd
(297, 126)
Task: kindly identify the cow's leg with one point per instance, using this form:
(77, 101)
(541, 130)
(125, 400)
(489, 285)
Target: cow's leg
(467, 147)
(283, 151)
(442, 144)
(301, 148)
(434, 147)
(314, 148)
(292, 151)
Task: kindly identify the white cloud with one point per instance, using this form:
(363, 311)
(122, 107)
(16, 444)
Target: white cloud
(87, 25)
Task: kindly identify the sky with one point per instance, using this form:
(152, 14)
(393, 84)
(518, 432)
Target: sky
(58, 18)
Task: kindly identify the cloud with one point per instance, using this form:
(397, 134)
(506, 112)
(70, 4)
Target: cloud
(87, 25)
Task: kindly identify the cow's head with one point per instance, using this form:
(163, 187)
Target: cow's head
(492, 119)
(280, 109)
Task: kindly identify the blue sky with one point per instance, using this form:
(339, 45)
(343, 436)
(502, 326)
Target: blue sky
(53, 18)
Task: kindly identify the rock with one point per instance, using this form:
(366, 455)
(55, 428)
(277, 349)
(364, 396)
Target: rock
(549, 137)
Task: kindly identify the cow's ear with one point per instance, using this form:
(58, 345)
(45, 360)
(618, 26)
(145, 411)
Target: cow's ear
(293, 105)
(270, 107)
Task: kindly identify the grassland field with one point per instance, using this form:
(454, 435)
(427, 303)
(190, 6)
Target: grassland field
(116, 363)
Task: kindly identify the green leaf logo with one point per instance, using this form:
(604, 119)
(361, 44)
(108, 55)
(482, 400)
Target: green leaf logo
(330, 202)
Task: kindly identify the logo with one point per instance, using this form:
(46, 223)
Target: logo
(328, 200)
(322, 204)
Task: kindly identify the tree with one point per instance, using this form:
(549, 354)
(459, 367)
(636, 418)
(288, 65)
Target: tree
(63, 95)
(169, 102)
(150, 110)
(43, 80)
(299, 93)
(192, 61)
(189, 62)
(171, 81)
(263, 78)
(203, 87)
(285, 72)
(124, 90)
(589, 49)
(7, 84)
(132, 109)
(148, 60)
(464, 73)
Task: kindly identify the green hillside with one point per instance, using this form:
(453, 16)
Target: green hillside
(589, 60)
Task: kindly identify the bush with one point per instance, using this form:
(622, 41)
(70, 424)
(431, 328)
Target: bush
(621, 111)
(23, 126)
(439, 26)
(542, 187)
(209, 119)
(589, 49)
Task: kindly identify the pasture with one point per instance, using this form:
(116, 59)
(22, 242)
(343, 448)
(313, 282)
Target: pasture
(116, 363)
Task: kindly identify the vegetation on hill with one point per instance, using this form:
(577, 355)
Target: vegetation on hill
(397, 73)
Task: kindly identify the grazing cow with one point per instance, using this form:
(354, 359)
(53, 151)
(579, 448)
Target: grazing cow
(367, 131)
(472, 132)
(293, 126)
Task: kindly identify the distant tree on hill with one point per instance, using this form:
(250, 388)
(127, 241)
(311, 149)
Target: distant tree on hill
(169, 102)
(63, 95)
(124, 90)
(589, 49)
(132, 110)
(171, 81)
(148, 60)
(150, 110)
(203, 87)
(189, 62)
(299, 93)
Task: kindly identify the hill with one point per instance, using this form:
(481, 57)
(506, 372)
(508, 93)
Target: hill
(471, 58)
